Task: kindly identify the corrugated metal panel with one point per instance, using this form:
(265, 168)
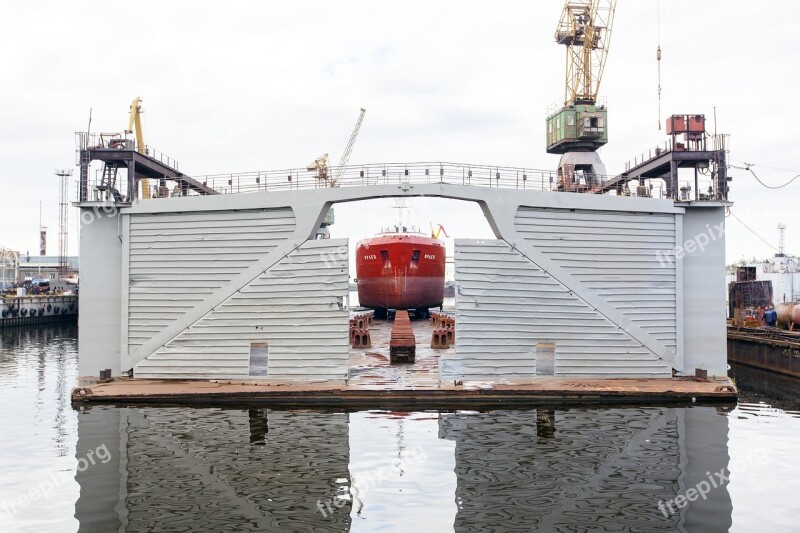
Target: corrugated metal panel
(177, 259)
(295, 307)
(505, 305)
(614, 255)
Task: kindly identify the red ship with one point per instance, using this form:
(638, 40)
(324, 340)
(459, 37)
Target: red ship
(400, 270)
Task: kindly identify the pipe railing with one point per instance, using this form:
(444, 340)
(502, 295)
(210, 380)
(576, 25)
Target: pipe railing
(712, 143)
(116, 141)
(400, 174)
(391, 174)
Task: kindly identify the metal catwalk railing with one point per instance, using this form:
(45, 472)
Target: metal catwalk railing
(489, 176)
(117, 141)
(709, 143)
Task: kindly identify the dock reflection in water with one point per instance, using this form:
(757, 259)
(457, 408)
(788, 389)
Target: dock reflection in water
(548, 470)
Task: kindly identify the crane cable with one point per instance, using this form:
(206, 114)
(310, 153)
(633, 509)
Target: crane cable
(750, 170)
(772, 186)
(751, 230)
(658, 59)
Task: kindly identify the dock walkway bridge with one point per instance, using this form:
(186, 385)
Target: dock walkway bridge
(154, 166)
(572, 284)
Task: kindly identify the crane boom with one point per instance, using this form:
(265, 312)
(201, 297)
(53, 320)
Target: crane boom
(135, 125)
(349, 148)
(136, 122)
(438, 231)
(585, 29)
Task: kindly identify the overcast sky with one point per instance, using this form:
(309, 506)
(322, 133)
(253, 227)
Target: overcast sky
(244, 86)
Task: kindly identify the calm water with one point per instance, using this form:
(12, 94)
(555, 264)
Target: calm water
(245, 469)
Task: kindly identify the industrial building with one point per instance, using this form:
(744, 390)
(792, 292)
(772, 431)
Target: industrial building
(9, 268)
(46, 266)
(783, 271)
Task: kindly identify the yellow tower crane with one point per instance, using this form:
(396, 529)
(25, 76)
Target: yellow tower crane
(585, 29)
(135, 125)
(326, 179)
(580, 127)
(321, 165)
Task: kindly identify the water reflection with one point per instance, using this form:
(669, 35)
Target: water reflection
(533, 470)
(251, 469)
(38, 364)
(213, 470)
(402, 474)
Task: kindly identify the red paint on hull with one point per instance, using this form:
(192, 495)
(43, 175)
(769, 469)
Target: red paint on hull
(400, 271)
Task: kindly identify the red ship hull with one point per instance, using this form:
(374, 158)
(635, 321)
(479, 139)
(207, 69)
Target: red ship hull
(400, 271)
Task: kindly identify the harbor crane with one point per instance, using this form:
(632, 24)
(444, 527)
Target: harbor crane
(322, 168)
(321, 165)
(135, 126)
(436, 232)
(349, 148)
(579, 127)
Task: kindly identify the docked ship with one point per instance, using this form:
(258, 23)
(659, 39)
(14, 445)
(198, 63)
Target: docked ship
(400, 269)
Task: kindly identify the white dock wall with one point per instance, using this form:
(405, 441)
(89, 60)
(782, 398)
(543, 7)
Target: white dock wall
(617, 256)
(101, 290)
(295, 308)
(176, 260)
(508, 308)
(704, 290)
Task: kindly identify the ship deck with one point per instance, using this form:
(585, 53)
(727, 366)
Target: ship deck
(374, 383)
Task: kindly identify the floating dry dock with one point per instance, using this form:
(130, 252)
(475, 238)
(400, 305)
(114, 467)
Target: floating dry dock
(582, 294)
